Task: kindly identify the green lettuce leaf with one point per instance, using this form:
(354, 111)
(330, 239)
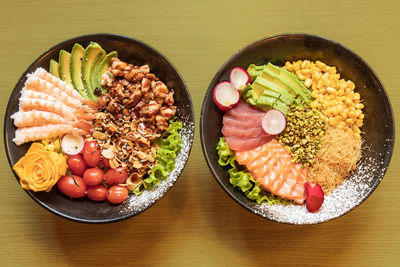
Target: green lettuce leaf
(169, 144)
(243, 180)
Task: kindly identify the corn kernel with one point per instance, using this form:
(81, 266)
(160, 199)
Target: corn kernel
(352, 114)
(314, 94)
(351, 85)
(331, 90)
(349, 121)
(356, 96)
(359, 106)
(340, 92)
(361, 117)
(348, 101)
(316, 75)
(314, 104)
(340, 108)
(334, 111)
(357, 135)
(358, 113)
(356, 129)
(308, 82)
(359, 123)
(342, 84)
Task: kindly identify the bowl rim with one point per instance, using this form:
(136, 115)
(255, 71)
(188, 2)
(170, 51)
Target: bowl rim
(57, 46)
(282, 36)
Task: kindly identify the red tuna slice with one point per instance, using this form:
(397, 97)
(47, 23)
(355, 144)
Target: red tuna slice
(231, 130)
(243, 124)
(242, 144)
(246, 115)
(244, 107)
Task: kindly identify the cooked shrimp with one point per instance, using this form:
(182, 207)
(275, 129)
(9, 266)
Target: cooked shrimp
(27, 104)
(26, 93)
(27, 134)
(43, 86)
(41, 73)
(36, 118)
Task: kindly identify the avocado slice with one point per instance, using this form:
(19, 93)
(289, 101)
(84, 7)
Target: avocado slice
(89, 57)
(53, 69)
(255, 70)
(290, 80)
(100, 68)
(76, 72)
(93, 79)
(260, 85)
(64, 68)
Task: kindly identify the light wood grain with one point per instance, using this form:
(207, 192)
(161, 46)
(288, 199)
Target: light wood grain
(196, 223)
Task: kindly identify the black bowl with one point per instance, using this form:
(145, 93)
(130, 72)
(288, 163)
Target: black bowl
(378, 128)
(135, 52)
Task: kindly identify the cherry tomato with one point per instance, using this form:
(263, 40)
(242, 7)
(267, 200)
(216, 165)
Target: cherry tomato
(76, 164)
(106, 163)
(117, 194)
(91, 153)
(116, 176)
(97, 193)
(72, 186)
(93, 176)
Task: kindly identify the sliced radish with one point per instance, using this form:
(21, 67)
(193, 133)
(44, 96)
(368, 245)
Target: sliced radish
(239, 77)
(226, 96)
(273, 122)
(72, 144)
(314, 195)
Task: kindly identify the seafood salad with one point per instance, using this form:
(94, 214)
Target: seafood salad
(98, 126)
(291, 134)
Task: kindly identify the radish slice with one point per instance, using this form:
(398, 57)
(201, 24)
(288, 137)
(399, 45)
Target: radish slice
(239, 77)
(72, 144)
(315, 196)
(273, 122)
(226, 96)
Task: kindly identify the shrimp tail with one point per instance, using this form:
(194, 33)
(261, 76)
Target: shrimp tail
(92, 104)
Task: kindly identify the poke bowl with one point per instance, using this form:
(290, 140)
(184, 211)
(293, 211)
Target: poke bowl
(92, 109)
(297, 129)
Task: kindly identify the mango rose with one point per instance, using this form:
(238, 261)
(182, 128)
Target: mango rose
(40, 169)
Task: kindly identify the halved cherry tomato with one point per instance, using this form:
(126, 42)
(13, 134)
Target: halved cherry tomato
(72, 186)
(97, 193)
(117, 194)
(91, 153)
(93, 176)
(76, 164)
(116, 176)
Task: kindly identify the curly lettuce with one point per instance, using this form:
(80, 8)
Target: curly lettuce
(169, 145)
(242, 179)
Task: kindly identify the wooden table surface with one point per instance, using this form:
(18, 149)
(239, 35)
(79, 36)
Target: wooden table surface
(196, 223)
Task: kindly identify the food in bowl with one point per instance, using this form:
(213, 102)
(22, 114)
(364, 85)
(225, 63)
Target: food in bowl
(100, 127)
(295, 134)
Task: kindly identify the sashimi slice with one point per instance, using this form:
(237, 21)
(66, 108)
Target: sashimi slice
(244, 124)
(245, 114)
(242, 144)
(244, 107)
(278, 175)
(229, 129)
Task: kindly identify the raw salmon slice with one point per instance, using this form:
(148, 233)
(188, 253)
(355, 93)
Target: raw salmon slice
(271, 165)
